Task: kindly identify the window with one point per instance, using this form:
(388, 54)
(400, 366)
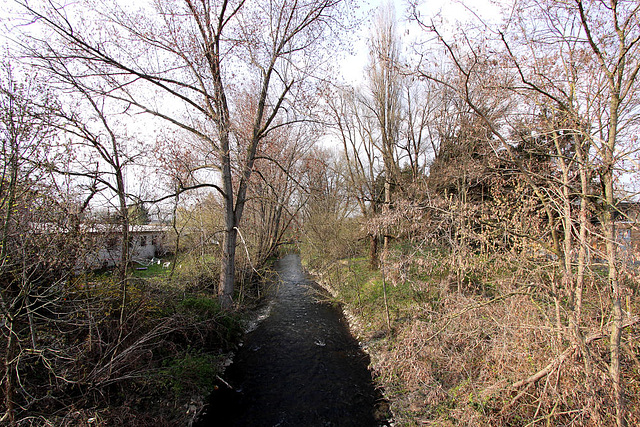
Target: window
(143, 241)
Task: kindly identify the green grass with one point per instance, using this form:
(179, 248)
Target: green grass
(153, 270)
(362, 289)
(189, 373)
(202, 307)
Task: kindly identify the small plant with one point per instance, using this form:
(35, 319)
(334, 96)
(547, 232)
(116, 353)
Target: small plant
(191, 373)
(203, 307)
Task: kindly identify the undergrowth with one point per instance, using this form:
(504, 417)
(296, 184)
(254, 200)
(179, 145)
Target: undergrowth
(462, 336)
(151, 361)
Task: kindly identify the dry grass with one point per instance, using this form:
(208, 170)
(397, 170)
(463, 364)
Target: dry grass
(456, 349)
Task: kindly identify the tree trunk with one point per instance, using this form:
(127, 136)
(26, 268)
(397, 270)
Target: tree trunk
(387, 205)
(228, 266)
(124, 243)
(583, 261)
(228, 261)
(583, 219)
(174, 225)
(616, 325)
(10, 377)
(373, 251)
(567, 247)
(611, 245)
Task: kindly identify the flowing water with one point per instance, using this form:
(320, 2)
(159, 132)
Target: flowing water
(299, 367)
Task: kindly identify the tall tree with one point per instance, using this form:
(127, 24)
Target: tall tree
(197, 53)
(611, 29)
(356, 133)
(385, 97)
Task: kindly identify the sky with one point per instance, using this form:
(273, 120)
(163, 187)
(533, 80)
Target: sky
(450, 11)
(354, 64)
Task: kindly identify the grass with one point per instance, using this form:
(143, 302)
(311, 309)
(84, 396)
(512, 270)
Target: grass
(153, 270)
(189, 373)
(361, 288)
(442, 361)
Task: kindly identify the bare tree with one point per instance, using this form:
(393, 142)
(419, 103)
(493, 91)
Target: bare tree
(420, 130)
(194, 52)
(612, 32)
(328, 219)
(385, 99)
(36, 243)
(569, 68)
(279, 194)
(356, 132)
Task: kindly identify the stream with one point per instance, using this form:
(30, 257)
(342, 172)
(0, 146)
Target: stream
(299, 367)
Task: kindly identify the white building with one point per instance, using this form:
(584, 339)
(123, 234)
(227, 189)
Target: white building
(145, 242)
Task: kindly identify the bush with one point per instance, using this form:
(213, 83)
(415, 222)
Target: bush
(201, 307)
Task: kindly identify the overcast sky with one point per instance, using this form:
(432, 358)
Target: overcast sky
(353, 66)
(450, 11)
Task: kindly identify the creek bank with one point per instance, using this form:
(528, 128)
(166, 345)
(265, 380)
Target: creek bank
(371, 342)
(300, 366)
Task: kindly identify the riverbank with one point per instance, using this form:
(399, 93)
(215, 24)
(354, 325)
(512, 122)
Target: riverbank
(457, 352)
(371, 335)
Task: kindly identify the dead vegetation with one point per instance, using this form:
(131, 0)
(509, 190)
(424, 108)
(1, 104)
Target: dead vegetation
(458, 356)
(81, 366)
(481, 334)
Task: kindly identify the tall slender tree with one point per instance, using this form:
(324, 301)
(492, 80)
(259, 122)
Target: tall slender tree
(385, 98)
(356, 133)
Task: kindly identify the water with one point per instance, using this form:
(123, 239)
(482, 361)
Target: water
(299, 367)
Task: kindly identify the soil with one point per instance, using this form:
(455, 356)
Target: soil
(299, 367)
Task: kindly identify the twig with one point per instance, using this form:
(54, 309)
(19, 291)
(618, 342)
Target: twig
(556, 362)
(469, 308)
(224, 382)
(247, 251)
